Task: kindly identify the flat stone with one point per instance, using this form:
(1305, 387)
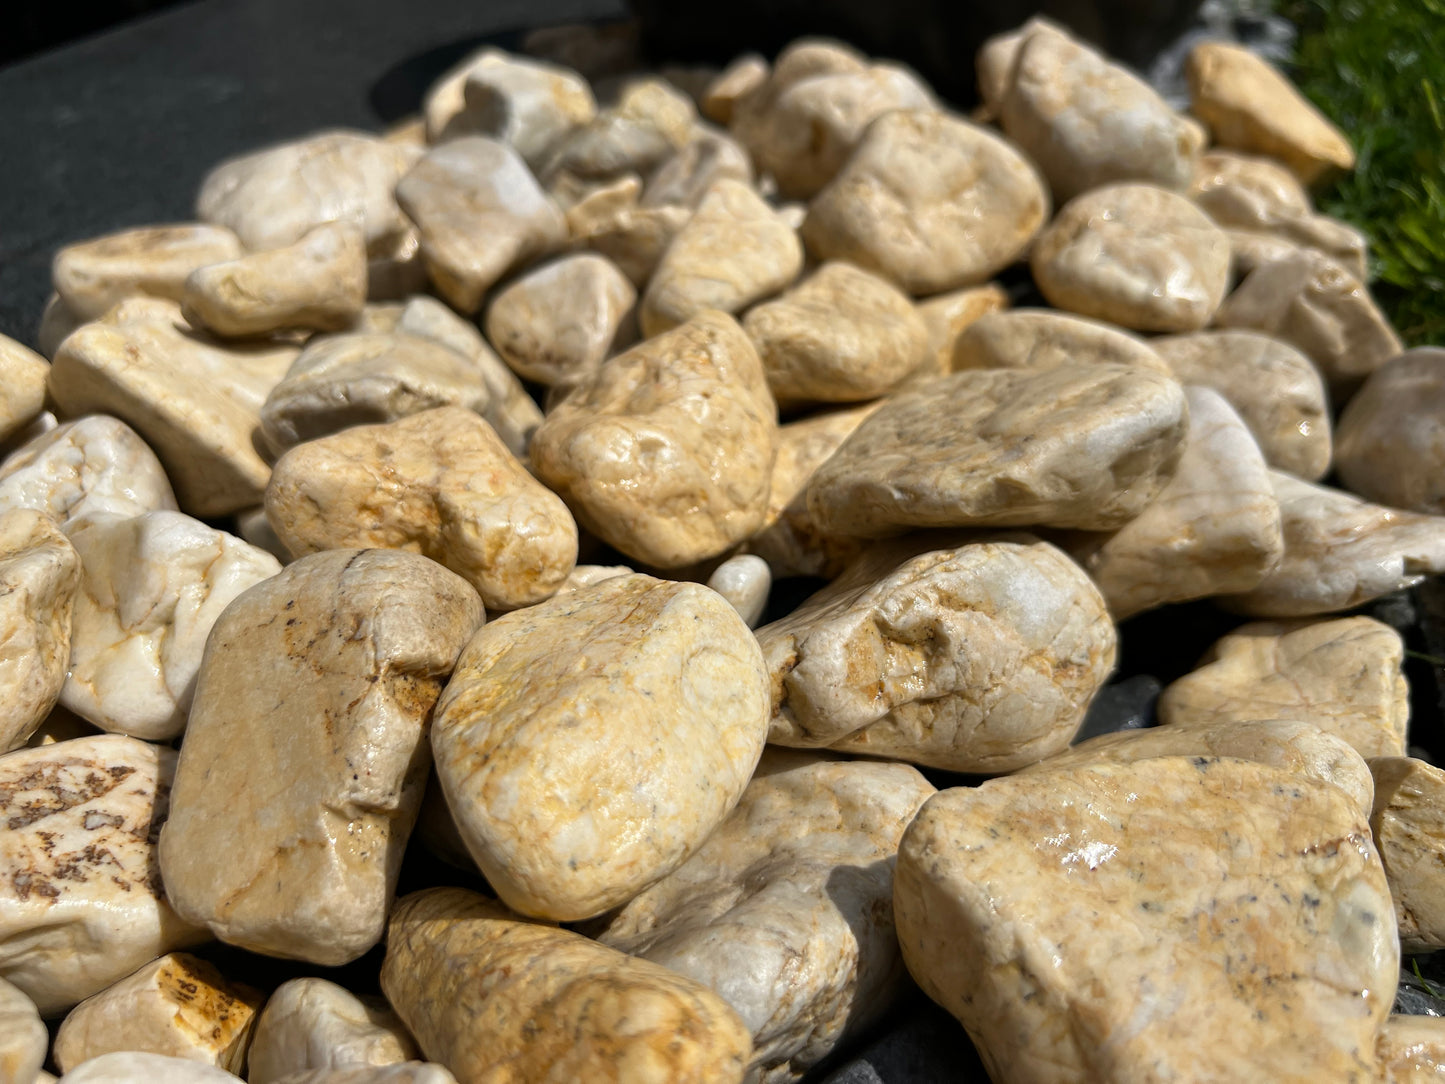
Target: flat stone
(1390, 445)
(412, 1072)
(23, 1038)
(947, 316)
(1408, 822)
(127, 1067)
(1078, 446)
(22, 387)
(642, 695)
(929, 201)
(1342, 675)
(151, 261)
(684, 179)
(979, 658)
(786, 911)
(665, 451)
(360, 641)
(1045, 339)
(744, 581)
(1412, 1049)
(1062, 917)
(1134, 255)
(81, 901)
(649, 121)
(744, 76)
(311, 1024)
(151, 588)
(491, 996)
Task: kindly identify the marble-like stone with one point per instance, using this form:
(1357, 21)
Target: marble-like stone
(1412, 1049)
(128, 1067)
(649, 121)
(684, 179)
(744, 76)
(310, 1024)
(22, 387)
(1390, 445)
(151, 261)
(1409, 826)
(948, 316)
(744, 581)
(1045, 339)
(23, 1038)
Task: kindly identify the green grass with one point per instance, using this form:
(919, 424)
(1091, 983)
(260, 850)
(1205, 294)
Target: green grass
(1377, 69)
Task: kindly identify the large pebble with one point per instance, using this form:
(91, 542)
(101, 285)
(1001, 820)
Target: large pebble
(948, 316)
(632, 237)
(1044, 339)
(1065, 918)
(744, 581)
(665, 451)
(649, 121)
(1409, 826)
(647, 699)
(1390, 445)
(495, 998)
(311, 1024)
(129, 1067)
(1246, 192)
(22, 387)
(23, 1038)
(684, 179)
(151, 261)
(309, 729)
(1078, 446)
(744, 76)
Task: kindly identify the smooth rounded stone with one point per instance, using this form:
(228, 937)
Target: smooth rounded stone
(440, 483)
(786, 911)
(562, 320)
(1340, 551)
(1078, 446)
(309, 728)
(650, 120)
(1276, 390)
(665, 451)
(23, 1038)
(586, 575)
(81, 901)
(129, 1067)
(276, 196)
(38, 426)
(366, 378)
(1136, 256)
(732, 252)
(841, 335)
(480, 214)
(22, 387)
(1412, 1049)
(151, 588)
(588, 201)
(1390, 444)
(39, 575)
(1064, 917)
(929, 201)
(1311, 302)
(1044, 339)
(56, 322)
(493, 997)
(744, 581)
(1087, 122)
(311, 1024)
(684, 179)
(744, 76)
(413, 1072)
(318, 282)
(1408, 822)
(1251, 107)
(1246, 191)
(154, 261)
(994, 63)
(632, 237)
(177, 1005)
(1250, 250)
(979, 658)
(948, 316)
(1215, 528)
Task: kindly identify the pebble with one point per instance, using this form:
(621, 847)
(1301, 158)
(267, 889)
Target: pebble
(1412, 1049)
(685, 178)
(1390, 446)
(23, 1038)
(128, 1067)
(1408, 822)
(93, 276)
(947, 316)
(744, 76)
(310, 1024)
(473, 983)
(744, 581)
(1045, 339)
(632, 237)
(586, 575)
(649, 121)
(56, 322)
(22, 387)
(309, 728)
(413, 1072)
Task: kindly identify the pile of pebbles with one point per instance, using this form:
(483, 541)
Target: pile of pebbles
(290, 524)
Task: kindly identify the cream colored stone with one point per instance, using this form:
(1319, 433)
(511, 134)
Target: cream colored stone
(744, 76)
(1249, 106)
(1250, 250)
(495, 998)
(947, 316)
(23, 1038)
(1390, 446)
(744, 581)
(684, 179)
(196, 402)
(1044, 339)
(318, 282)
(151, 588)
(38, 426)
(309, 728)
(632, 237)
(650, 120)
(1078, 446)
(647, 699)
(1340, 551)
(589, 202)
(56, 322)
(22, 387)
(586, 575)
(1065, 918)
(480, 214)
(1412, 1049)
(979, 658)
(81, 902)
(153, 261)
(93, 465)
(665, 451)
(1276, 390)
(1409, 826)
(732, 252)
(411, 1072)
(1136, 256)
(131, 1067)
(994, 62)
(310, 1024)
(809, 57)
(930, 201)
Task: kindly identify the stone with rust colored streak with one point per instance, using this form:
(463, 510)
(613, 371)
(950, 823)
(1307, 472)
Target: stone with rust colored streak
(646, 697)
(786, 911)
(1134, 255)
(39, 575)
(495, 998)
(1045, 339)
(480, 214)
(929, 201)
(1343, 675)
(1061, 917)
(948, 316)
(744, 76)
(1340, 551)
(319, 282)
(1276, 390)
(23, 1038)
(733, 251)
(22, 387)
(649, 121)
(685, 178)
(177, 1005)
(1078, 446)
(1412, 1049)
(409, 1072)
(841, 335)
(665, 451)
(744, 580)
(151, 588)
(195, 401)
(310, 1024)
(309, 727)
(1409, 826)
(1215, 529)
(150, 261)
(976, 658)
(81, 901)
(1249, 106)
(128, 1067)
(1390, 445)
